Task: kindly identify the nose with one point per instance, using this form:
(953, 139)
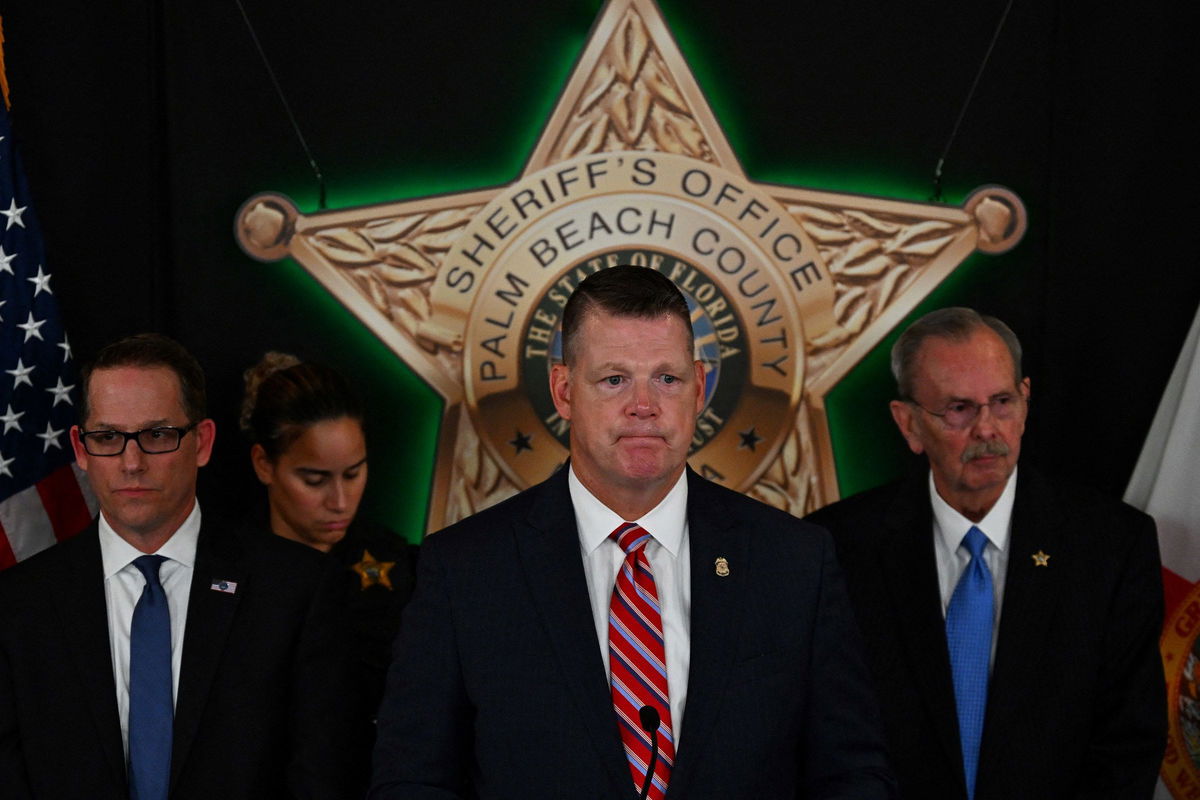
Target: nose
(643, 401)
(335, 497)
(985, 423)
(132, 457)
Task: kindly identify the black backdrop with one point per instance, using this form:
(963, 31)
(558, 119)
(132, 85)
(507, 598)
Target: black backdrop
(144, 124)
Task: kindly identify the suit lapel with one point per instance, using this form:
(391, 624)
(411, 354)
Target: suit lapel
(1030, 600)
(84, 613)
(210, 614)
(549, 551)
(715, 614)
(910, 573)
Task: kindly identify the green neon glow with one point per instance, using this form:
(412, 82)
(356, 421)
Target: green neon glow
(716, 87)
(407, 413)
(404, 414)
(868, 451)
(843, 180)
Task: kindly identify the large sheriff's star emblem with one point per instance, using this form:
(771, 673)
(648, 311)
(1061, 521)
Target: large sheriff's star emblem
(789, 287)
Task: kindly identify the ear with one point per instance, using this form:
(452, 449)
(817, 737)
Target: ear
(699, 366)
(906, 421)
(560, 389)
(206, 434)
(81, 456)
(1023, 387)
(263, 467)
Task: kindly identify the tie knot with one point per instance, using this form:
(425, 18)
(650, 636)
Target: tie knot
(148, 566)
(975, 541)
(630, 536)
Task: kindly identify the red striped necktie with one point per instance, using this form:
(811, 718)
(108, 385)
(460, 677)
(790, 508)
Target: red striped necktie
(637, 661)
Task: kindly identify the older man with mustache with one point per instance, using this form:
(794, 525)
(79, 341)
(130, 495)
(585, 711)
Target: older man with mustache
(1011, 621)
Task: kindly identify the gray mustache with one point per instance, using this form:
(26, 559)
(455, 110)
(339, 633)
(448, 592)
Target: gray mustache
(980, 449)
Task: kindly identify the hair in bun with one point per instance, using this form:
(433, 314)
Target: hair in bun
(284, 396)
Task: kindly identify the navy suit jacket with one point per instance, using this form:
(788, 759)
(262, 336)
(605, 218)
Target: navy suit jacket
(498, 689)
(258, 710)
(1076, 703)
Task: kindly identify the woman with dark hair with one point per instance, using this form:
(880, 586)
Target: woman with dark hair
(305, 424)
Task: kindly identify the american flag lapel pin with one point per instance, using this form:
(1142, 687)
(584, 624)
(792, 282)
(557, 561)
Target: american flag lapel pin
(228, 587)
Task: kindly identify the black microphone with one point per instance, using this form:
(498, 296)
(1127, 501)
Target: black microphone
(650, 719)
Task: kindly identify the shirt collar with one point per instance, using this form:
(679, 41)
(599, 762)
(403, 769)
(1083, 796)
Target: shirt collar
(996, 525)
(596, 521)
(116, 553)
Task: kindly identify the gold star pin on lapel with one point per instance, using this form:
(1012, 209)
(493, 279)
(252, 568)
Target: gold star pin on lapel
(372, 572)
(1041, 559)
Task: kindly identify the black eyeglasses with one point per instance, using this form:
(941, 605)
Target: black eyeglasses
(963, 413)
(153, 441)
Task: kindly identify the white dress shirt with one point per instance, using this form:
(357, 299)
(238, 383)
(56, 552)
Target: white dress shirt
(668, 553)
(949, 528)
(123, 585)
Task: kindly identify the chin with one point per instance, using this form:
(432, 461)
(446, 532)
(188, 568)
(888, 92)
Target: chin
(987, 478)
(326, 538)
(137, 518)
(646, 470)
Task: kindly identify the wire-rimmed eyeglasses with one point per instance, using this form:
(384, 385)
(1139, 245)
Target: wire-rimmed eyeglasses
(960, 414)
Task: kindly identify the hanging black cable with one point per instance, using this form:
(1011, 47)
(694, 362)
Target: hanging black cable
(937, 172)
(312, 162)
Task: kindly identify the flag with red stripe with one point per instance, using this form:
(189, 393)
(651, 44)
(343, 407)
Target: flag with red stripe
(1166, 485)
(42, 499)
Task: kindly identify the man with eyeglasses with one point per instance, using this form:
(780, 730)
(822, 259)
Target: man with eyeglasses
(161, 654)
(1012, 621)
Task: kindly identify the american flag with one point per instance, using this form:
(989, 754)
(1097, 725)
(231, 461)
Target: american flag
(42, 496)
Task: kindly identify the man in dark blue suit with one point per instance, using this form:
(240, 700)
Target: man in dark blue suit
(160, 654)
(626, 623)
(1056, 691)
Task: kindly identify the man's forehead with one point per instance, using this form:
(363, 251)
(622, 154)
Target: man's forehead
(637, 361)
(943, 362)
(134, 374)
(982, 347)
(597, 322)
(633, 356)
(115, 388)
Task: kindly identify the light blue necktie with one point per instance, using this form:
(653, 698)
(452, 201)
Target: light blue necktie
(969, 635)
(151, 709)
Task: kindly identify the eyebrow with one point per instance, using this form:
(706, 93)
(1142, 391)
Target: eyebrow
(157, 423)
(1009, 392)
(609, 366)
(322, 472)
(615, 366)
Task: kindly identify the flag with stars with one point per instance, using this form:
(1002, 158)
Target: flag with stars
(42, 496)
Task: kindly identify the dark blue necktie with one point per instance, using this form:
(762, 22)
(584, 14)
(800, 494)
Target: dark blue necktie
(151, 709)
(969, 635)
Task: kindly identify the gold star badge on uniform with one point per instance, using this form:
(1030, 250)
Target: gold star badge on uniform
(1041, 559)
(372, 572)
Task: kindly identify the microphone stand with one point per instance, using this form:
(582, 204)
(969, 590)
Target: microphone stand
(650, 719)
